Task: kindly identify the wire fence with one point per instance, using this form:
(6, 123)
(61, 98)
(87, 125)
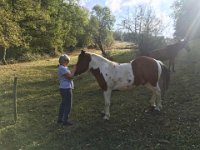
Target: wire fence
(24, 82)
(7, 106)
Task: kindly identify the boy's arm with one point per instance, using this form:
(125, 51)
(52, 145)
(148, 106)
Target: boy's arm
(70, 75)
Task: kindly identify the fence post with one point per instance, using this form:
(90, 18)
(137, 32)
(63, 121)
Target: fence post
(15, 98)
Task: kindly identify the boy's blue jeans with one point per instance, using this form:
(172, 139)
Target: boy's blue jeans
(65, 105)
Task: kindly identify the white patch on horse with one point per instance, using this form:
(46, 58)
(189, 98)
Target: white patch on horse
(159, 63)
(117, 76)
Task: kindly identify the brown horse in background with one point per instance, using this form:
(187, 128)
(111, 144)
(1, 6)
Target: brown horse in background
(169, 52)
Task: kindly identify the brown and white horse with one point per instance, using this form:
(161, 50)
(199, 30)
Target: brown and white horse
(169, 52)
(114, 76)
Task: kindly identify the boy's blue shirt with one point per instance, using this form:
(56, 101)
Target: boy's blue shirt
(63, 81)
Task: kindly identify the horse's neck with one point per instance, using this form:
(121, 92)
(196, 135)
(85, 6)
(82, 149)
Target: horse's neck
(99, 62)
(177, 47)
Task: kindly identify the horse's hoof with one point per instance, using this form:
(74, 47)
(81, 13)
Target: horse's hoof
(149, 109)
(102, 113)
(156, 109)
(106, 117)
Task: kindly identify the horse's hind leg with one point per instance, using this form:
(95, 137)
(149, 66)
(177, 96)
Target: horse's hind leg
(173, 63)
(170, 61)
(155, 100)
(152, 101)
(158, 98)
(107, 95)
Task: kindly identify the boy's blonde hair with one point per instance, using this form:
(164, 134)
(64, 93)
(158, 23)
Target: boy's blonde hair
(63, 58)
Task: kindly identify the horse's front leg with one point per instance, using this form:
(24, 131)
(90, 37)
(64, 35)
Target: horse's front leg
(173, 63)
(170, 61)
(107, 96)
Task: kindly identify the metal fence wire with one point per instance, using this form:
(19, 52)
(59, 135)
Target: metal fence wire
(6, 100)
(30, 81)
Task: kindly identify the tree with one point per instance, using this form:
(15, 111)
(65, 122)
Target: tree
(144, 27)
(100, 25)
(77, 18)
(10, 32)
(35, 20)
(187, 18)
(50, 26)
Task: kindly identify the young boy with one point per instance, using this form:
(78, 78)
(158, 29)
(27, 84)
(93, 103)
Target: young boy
(66, 85)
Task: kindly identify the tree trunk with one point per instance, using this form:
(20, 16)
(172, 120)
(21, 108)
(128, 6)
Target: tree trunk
(104, 52)
(102, 49)
(99, 43)
(4, 57)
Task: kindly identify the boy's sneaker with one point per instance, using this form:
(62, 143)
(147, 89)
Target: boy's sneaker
(67, 123)
(59, 121)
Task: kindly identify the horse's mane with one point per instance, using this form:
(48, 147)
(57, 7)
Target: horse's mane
(177, 45)
(101, 58)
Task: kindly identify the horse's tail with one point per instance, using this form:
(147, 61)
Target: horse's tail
(165, 78)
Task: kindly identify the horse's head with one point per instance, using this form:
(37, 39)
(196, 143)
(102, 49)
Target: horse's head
(187, 48)
(82, 63)
(185, 43)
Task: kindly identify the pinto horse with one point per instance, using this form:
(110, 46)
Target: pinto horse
(114, 76)
(169, 52)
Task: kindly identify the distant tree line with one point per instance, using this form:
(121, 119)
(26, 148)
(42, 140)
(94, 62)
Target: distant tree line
(141, 26)
(49, 27)
(29, 27)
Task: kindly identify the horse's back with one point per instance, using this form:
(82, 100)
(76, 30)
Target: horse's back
(145, 70)
(166, 53)
(120, 76)
(160, 54)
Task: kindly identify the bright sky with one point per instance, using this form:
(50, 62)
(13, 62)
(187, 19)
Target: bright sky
(119, 7)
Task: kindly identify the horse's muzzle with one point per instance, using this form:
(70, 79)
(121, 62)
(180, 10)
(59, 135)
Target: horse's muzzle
(76, 74)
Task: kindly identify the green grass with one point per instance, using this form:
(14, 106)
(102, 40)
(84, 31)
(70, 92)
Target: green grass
(176, 127)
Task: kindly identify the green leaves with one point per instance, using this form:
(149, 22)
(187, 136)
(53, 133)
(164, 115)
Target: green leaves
(10, 32)
(51, 26)
(101, 23)
(187, 18)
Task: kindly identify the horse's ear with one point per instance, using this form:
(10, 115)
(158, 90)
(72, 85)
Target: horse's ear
(82, 52)
(187, 38)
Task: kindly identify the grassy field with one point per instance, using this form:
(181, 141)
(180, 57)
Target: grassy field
(176, 127)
